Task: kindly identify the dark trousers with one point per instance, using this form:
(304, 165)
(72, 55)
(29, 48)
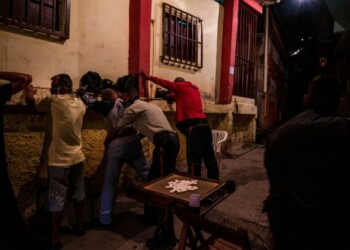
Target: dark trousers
(166, 149)
(200, 148)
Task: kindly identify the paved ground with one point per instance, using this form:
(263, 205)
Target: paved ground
(242, 209)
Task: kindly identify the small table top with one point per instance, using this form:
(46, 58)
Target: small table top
(155, 192)
(205, 187)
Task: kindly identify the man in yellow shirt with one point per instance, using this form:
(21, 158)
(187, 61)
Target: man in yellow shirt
(65, 155)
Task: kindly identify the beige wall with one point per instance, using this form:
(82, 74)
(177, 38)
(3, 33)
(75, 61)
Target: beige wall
(99, 35)
(204, 78)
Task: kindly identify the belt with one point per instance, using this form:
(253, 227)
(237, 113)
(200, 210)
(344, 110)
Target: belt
(163, 137)
(126, 132)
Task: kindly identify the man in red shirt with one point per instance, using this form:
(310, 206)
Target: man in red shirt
(192, 122)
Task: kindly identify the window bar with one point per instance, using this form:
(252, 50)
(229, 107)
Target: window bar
(193, 43)
(26, 17)
(170, 32)
(55, 25)
(198, 44)
(179, 36)
(184, 39)
(244, 38)
(67, 17)
(12, 10)
(164, 33)
(179, 54)
(41, 11)
(170, 36)
(175, 34)
(201, 43)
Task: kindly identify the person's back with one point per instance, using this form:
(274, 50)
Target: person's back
(306, 161)
(67, 113)
(65, 155)
(148, 118)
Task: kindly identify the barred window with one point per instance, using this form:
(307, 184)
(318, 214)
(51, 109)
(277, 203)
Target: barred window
(48, 18)
(182, 38)
(245, 66)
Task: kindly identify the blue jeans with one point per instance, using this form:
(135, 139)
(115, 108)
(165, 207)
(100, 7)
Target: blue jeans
(122, 150)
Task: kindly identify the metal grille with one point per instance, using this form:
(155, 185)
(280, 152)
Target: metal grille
(245, 66)
(44, 17)
(182, 38)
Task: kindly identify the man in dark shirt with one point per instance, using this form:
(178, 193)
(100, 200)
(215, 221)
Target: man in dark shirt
(307, 161)
(13, 230)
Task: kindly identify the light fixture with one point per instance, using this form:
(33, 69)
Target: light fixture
(268, 2)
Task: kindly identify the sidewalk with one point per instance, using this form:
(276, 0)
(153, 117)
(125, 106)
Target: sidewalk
(241, 209)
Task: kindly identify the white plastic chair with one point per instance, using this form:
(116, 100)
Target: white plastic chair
(219, 136)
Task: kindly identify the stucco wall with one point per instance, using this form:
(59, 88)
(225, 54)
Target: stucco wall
(204, 78)
(99, 36)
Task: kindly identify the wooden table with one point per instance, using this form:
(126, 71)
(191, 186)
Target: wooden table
(211, 194)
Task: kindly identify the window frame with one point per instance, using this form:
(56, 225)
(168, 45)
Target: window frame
(183, 42)
(43, 18)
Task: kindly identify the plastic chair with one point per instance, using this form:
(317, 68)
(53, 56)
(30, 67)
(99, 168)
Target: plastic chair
(219, 136)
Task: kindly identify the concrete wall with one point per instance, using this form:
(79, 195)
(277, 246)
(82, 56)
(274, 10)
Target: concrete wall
(99, 36)
(204, 78)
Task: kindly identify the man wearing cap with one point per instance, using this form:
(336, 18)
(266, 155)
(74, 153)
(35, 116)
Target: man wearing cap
(191, 120)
